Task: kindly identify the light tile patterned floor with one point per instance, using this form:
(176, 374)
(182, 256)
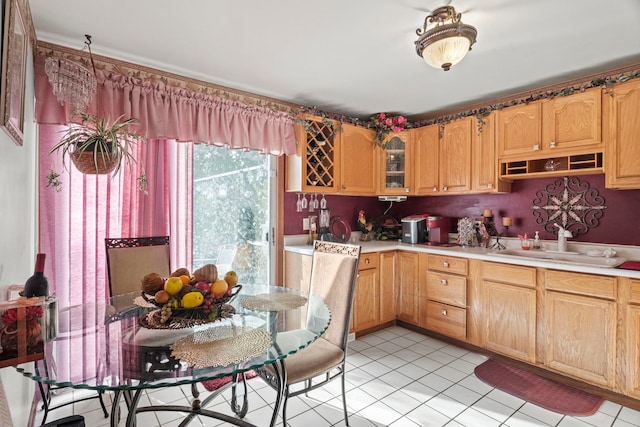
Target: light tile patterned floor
(396, 378)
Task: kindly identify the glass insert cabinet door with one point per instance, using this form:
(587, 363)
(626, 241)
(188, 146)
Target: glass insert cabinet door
(395, 166)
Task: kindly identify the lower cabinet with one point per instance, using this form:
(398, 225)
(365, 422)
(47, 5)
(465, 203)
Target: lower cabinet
(510, 310)
(366, 303)
(446, 295)
(407, 286)
(387, 277)
(631, 341)
(580, 320)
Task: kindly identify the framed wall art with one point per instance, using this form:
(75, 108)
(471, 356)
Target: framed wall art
(14, 63)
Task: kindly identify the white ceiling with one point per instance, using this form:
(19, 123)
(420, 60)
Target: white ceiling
(352, 57)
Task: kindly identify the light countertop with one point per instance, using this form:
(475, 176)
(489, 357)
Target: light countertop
(298, 244)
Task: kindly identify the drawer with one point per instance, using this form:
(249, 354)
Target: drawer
(447, 320)
(447, 264)
(507, 273)
(447, 288)
(581, 284)
(368, 260)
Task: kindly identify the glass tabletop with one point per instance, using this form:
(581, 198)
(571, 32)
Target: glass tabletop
(105, 346)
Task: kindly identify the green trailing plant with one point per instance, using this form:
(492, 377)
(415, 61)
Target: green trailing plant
(107, 141)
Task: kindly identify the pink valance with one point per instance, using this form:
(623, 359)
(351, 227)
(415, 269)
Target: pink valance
(174, 113)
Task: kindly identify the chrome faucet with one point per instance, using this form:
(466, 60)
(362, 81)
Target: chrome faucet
(563, 235)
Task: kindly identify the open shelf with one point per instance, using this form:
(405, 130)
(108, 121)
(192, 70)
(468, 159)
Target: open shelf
(578, 164)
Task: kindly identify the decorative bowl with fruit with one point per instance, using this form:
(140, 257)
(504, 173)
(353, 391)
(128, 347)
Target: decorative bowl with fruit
(184, 300)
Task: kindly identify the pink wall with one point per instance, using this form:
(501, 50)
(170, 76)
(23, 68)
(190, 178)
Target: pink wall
(618, 225)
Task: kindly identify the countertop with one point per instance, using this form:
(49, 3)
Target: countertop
(631, 253)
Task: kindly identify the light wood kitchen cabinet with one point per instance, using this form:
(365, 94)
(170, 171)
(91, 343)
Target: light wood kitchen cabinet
(387, 277)
(580, 321)
(573, 122)
(426, 149)
(621, 130)
(358, 163)
(396, 165)
(485, 174)
(628, 345)
(455, 156)
(314, 168)
(407, 286)
(446, 295)
(366, 312)
(552, 137)
(520, 130)
(510, 310)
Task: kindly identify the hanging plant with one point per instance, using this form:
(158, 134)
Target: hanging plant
(384, 125)
(97, 145)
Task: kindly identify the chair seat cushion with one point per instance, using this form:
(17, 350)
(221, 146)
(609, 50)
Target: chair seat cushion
(318, 358)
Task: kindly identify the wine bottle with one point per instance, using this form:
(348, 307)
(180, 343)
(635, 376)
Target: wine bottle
(37, 285)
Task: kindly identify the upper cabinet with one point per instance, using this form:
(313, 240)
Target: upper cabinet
(315, 166)
(573, 122)
(520, 130)
(358, 171)
(621, 130)
(553, 137)
(395, 165)
(485, 176)
(426, 149)
(455, 156)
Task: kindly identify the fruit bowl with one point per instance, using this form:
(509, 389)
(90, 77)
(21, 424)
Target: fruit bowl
(171, 315)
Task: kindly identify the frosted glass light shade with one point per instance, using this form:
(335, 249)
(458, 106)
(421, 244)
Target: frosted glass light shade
(446, 52)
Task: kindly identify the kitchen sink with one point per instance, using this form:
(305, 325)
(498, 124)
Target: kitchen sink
(564, 258)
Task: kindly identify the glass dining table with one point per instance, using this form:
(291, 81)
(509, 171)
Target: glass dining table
(115, 347)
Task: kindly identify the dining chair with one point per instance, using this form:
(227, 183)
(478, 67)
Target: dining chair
(334, 270)
(130, 259)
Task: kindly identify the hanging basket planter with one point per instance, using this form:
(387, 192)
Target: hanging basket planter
(97, 145)
(91, 163)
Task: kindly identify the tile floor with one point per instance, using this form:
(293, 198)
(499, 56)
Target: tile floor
(396, 377)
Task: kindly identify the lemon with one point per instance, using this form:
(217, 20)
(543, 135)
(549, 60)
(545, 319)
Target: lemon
(173, 285)
(192, 299)
(231, 278)
(219, 287)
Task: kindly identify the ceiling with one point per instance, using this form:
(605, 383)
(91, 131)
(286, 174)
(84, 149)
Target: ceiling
(352, 57)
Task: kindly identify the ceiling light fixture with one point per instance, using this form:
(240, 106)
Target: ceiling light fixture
(445, 44)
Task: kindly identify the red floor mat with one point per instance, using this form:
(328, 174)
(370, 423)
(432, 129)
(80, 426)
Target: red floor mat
(538, 390)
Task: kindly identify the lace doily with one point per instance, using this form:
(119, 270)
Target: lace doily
(221, 346)
(273, 302)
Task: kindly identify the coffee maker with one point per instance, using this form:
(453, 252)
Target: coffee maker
(437, 230)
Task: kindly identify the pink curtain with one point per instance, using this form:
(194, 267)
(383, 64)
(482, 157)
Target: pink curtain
(173, 113)
(75, 221)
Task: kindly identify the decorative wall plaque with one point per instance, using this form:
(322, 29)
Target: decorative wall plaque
(570, 203)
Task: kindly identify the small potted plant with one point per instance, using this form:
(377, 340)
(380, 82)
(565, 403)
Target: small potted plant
(97, 145)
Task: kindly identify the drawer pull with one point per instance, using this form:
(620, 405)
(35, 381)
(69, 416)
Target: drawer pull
(443, 281)
(445, 264)
(444, 312)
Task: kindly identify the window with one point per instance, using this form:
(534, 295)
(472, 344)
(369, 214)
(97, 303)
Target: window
(232, 211)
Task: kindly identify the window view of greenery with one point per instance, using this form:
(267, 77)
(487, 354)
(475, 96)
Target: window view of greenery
(231, 211)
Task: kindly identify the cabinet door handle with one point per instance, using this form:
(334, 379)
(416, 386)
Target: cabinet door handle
(367, 260)
(444, 188)
(444, 312)
(435, 189)
(536, 147)
(552, 144)
(443, 281)
(406, 190)
(489, 185)
(445, 264)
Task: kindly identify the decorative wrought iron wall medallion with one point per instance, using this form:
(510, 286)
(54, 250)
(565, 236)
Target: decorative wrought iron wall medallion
(570, 203)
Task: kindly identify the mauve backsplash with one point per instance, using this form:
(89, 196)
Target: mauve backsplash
(618, 225)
